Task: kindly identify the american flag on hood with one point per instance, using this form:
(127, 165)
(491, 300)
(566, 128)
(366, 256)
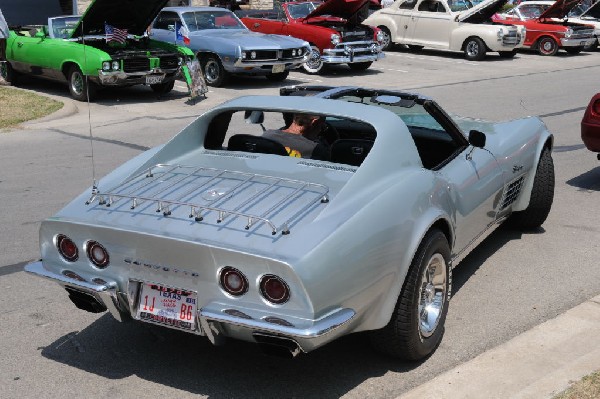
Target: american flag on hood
(115, 34)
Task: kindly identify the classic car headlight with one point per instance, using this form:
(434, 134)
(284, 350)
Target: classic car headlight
(253, 55)
(233, 281)
(179, 61)
(380, 36)
(116, 65)
(106, 66)
(568, 32)
(293, 52)
(244, 55)
(335, 39)
(274, 289)
(501, 33)
(67, 248)
(97, 254)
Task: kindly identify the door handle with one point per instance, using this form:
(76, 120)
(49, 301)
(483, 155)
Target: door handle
(19, 44)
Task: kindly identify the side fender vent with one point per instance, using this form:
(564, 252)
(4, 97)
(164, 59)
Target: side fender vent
(511, 192)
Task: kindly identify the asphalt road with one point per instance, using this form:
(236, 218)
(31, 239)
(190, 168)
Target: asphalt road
(511, 283)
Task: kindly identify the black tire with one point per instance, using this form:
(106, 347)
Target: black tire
(407, 336)
(507, 54)
(314, 65)
(547, 46)
(163, 88)
(386, 43)
(360, 66)
(278, 77)
(214, 73)
(474, 49)
(593, 46)
(574, 50)
(8, 73)
(414, 47)
(542, 196)
(79, 86)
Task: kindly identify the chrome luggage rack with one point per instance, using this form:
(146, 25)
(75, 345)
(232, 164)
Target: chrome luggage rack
(224, 192)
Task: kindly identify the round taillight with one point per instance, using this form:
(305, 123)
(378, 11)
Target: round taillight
(596, 107)
(274, 289)
(67, 248)
(97, 254)
(233, 281)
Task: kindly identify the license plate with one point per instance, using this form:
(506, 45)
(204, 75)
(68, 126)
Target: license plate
(154, 79)
(278, 68)
(169, 306)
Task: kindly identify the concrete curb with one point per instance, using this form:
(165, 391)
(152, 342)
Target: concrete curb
(536, 364)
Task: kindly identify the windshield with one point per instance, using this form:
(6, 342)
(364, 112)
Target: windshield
(532, 11)
(200, 20)
(61, 28)
(301, 10)
(461, 5)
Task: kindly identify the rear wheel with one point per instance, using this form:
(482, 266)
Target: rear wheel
(163, 88)
(214, 72)
(574, 50)
(360, 66)
(8, 73)
(542, 196)
(547, 46)
(314, 64)
(417, 324)
(79, 86)
(507, 54)
(474, 49)
(278, 77)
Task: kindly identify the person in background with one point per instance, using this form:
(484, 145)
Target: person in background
(301, 137)
(3, 36)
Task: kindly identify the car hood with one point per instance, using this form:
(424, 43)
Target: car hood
(339, 8)
(133, 15)
(482, 12)
(245, 39)
(559, 9)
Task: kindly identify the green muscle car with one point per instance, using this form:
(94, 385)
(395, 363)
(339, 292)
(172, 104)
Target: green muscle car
(107, 46)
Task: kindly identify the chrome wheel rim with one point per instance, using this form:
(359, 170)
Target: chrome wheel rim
(211, 71)
(547, 46)
(432, 295)
(385, 41)
(77, 83)
(472, 49)
(314, 61)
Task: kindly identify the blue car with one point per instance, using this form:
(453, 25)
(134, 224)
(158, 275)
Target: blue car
(224, 46)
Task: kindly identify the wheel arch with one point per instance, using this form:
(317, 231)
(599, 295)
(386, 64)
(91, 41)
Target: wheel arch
(66, 66)
(464, 42)
(523, 201)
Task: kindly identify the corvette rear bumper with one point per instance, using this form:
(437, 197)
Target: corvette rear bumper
(214, 320)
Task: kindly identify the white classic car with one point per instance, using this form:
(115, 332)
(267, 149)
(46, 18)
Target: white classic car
(589, 16)
(220, 233)
(458, 25)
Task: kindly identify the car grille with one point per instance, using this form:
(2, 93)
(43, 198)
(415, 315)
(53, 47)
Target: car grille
(512, 192)
(512, 38)
(272, 55)
(582, 34)
(142, 64)
(354, 36)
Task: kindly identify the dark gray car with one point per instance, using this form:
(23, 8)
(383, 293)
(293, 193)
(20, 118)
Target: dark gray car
(225, 46)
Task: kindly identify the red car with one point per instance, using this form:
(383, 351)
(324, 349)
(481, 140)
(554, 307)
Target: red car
(548, 28)
(590, 125)
(332, 28)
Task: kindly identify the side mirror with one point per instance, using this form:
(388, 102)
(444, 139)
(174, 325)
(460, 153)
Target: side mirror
(40, 35)
(171, 28)
(254, 117)
(477, 138)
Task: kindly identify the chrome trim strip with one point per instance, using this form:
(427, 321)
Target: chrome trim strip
(456, 259)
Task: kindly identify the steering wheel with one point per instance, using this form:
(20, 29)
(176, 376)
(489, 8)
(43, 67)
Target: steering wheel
(329, 134)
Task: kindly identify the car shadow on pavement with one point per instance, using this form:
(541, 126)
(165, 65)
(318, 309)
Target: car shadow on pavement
(183, 361)
(588, 181)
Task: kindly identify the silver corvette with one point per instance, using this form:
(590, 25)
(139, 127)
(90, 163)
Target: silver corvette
(221, 234)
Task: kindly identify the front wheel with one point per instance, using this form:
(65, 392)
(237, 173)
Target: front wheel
(314, 64)
(507, 54)
(278, 77)
(8, 73)
(574, 50)
(163, 88)
(417, 324)
(386, 42)
(593, 46)
(79, 87)
(475, 49)
(547, 46)
(214, 72)
(542, 196)
(360, 66)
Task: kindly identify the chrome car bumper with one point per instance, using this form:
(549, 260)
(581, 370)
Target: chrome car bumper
(575, 42)
(214, 320)
(293, 62)
(345, 53)
(120, 78)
